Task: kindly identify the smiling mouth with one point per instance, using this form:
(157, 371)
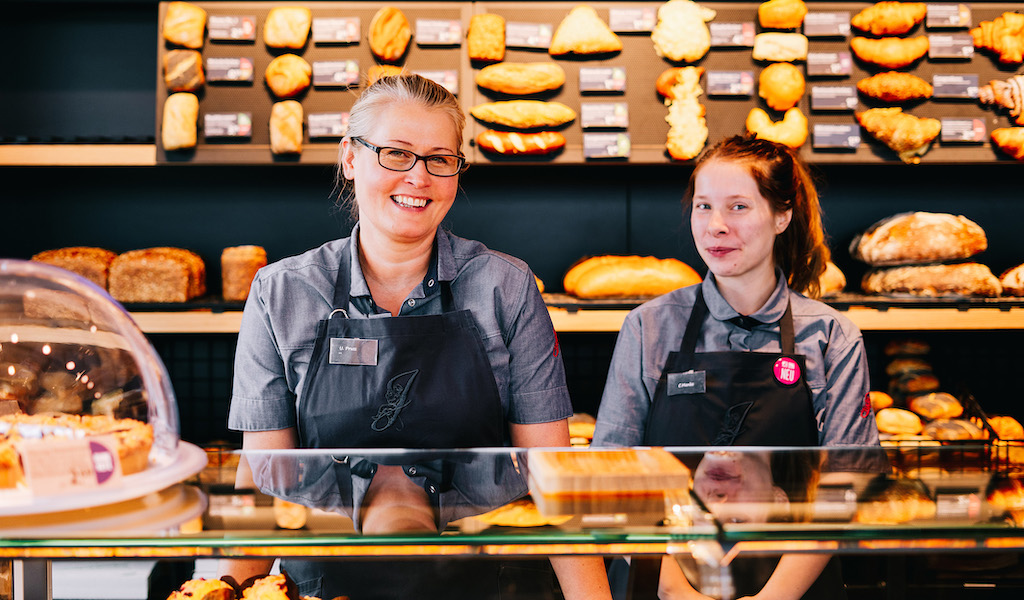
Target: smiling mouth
(719, 251)
(409, 201)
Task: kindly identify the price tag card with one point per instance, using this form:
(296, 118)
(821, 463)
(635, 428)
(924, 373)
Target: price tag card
(950, 46)
(963, 130)
(631, 20)
(233, 70)
(955, 86)
(841, 136)
(827, 24)
(829, 64)
(528, 35)
(606, 145)
(336, 73)
(327, 125)
(230, 125)
(64, 466)
(732, 34)
(947, 16)
(957, 504)
(730, 83)
(595, 115)
(833, 97)
(603, 79)
(231, 28)
(448, 79)
(438, 32)
(340, 30)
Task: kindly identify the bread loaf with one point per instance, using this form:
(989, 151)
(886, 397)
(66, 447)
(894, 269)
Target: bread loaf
(184, 24)
(238, 266)
(953, 429)
(179, 129)
(626, 276)
(583, 32)
(485, 40)
(521, 78)
(966, 279)
(1013, 281)
(288, 75)
(160, 274)
(389, 34)
(287, 27)
(183, 70)
(89, 262)
(919, 237)
(286, 127)
(512, 142)
(937, 405)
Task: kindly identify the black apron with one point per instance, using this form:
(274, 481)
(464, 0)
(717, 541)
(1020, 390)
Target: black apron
(738, 398)
(398, 382)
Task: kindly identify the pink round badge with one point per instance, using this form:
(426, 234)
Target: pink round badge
(787, 371)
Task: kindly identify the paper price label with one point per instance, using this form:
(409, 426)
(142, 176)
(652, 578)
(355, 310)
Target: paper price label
(438, 32)
(603, 79)
(829, 64)
(838, 136)
(336, 73)
(604, 114)
(947, 16)
(730, 83)
(227, 124)
(827, 24)
(231, 28)
(606, 145)
(955, 86)
(732, 34)
(950, 46)
(448, 79)
(528, 35)
(229, 69)
(327, 125)
(342, 30)
(962, 130)
(629, 20)
(833, 97)
(56, 466)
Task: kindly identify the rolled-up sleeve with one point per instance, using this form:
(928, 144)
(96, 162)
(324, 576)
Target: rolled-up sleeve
(626, 400)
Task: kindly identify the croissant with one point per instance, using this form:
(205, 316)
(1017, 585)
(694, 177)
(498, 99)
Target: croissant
(1004, 35)
(907, 135)
(894, 86)
(890, 52)
(1010, 140)
(790, 131)
(1008, 94)
(890, 18)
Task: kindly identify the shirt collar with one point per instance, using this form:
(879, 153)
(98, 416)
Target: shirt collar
(442, 269)
(770, 312)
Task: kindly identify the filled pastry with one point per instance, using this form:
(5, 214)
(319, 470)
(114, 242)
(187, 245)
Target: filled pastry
(909, 136)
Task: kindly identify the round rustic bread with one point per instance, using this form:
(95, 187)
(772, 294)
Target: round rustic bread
(918, 238)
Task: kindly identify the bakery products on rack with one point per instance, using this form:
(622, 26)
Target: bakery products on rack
(1008, 94)
(1012, 281)
(160, 274)
(183, 70)
(626, 276)
(1006, 427)
(287, 27)
(936, 405)
(779, 47)
(963, 279)
(389, 34)
(179, 129)
(919, 237)
(890, 18)
(953, 429)
(781, 85)
(184, 24)
(1003, 36)
(687, 127)
(582, 31)
(485, 39)
(288, 75)
(521, 78)
(1010, 140)
(909, 136)
(203, 589)
(790, 131)
(514, 142)
(781, 14)
(681, 33)
(238, 266)
(524, 114)
(895, 86)
(286, 127)
(879, 400)
(888, 502)
(87, 261)
(890, 52)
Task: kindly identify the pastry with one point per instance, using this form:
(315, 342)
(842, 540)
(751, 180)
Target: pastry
(895, 86)
(687, 127)
(890, 52)
(377, 71)
(271, 587)
(790, 131)
(919, 237)
(681, 33)
(781, 14)
(1013, 281)
(832, 280)
(160, 274)
(485, 39)
(888, 502)
(779, 47)
(288, 75)
(1003, 35)
(184, 24)
(287, 27)
(898, 420)
(1008, 94)
(89, 262)
(964, 279)
(937, 405)
(524, 114)
(289, 515)
(521, 78)
(674, 76)
(953, 429)
(179, 128)
(238, 266)
(286, 127)
(513, 142)
(1006, 428)
(183, 70)
(890, 18)
(389, 34)
(879, 400)
(203, 589)
(627, 276)
(1010, 140)
(909, 136)
(781, 85)
(583, 32)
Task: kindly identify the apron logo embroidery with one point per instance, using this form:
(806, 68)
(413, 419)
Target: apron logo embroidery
(396, 398)
(732, 422)
(787, 371)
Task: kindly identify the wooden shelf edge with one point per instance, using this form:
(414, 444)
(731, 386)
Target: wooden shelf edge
(87, 155)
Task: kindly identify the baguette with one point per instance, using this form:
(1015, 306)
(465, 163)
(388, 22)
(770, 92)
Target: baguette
(625, 276)
(511, 142)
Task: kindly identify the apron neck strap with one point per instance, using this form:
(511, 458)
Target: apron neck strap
(343, 283)
(700, 313)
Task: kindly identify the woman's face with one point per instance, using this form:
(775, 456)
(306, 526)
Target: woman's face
(403, 206)
(737, 487)
(734, 226)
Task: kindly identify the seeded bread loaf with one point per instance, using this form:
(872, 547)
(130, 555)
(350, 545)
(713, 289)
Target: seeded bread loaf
(91, 263)
(238, 265)
(159, 274)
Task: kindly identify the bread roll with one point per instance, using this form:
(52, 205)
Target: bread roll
(160, 274)
(898, 420)
(485, 40)
(286, 127)
(625, 276)
(1006, 428)
(288, 75)
(521, 78)
(919, 237)
(899, 366)
(781, 14)
(287, 27)
(389, 34)
(184, 24)
(179, 129)
(583, 32)
(966, 279)
(939, 405)
(238, 266)
(879, 400)
(512, 142)
(89, 262)
(524, 114)
(183, 70)
(781, 85)
(1013, 281)
(779, 47)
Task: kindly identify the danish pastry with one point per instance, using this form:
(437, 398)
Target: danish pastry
(583, 32)
(389, 34)
(781, 85)
(890, 18)
(288, 75)
(890, 52)
(909, 136)
(681, 33)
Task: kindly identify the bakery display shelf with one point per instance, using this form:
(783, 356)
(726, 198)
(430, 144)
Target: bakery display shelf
(75, 155)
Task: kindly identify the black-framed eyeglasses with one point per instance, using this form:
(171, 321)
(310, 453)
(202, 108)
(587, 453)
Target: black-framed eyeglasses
(397, 159)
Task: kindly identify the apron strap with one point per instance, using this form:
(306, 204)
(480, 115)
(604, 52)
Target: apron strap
(788, 340)
(343, 283)
(700, 312)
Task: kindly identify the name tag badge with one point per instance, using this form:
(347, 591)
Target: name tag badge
(690, 382)
(353, 351)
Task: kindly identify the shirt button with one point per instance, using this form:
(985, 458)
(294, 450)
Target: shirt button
(430, 283)
(412, 302)
(411, 470)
